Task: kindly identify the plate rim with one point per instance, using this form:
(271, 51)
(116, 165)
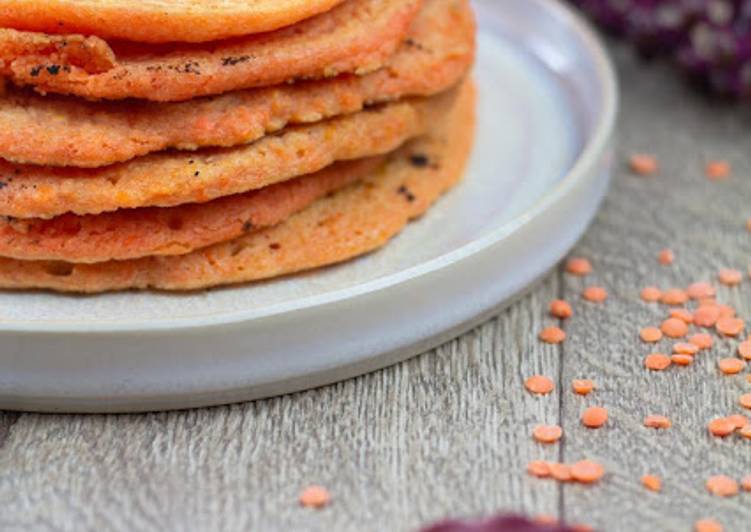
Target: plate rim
(601, 135)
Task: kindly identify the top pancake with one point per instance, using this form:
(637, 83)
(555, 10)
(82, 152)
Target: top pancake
(158, 20)
(357, 36)
(67, 131)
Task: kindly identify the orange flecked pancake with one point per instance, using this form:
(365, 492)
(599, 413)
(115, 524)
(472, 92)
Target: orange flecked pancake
(135, 233)
(167, 179)
(65, 131)
(354, 221)
(158, 20)
(358, 36)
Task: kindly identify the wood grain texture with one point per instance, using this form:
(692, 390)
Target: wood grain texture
(448, 433)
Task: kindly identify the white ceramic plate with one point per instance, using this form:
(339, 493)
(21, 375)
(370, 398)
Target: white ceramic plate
(538, 173)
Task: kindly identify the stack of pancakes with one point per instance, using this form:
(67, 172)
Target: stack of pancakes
(183, 144)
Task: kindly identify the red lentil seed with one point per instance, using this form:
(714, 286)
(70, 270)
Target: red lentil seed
(538, 384)
(682, 314)
(717, 170)
(738, 420)
(682, 360)
(594, 417)
(552, 335)
(731, 366)
(745, 400)
(726, 311)
(595, 294)
(651, 294)
(581, 528)
(706, 316)
(666, 257)
(547, 433)
(744, 349)
(685, 348)
(315, 497)
(674, 297)
(538, 468)
(657, 362)
(722, 486)
(721, 427)
(657, 422)
(701, 290)
(578, 266)
(560, 309)
(560, 472)
(643, 164)
(745, 432)
(587, 472)
(652, 483)
(702, 340)
(730, 326)
(746, 483)
(730, 277)
(583, 386)
(650, 334)
(707, 525)
(674, 328)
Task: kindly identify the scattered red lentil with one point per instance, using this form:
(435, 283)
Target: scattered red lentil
(726, 311)
(730, 277)
(587, 472)
(682, 314)
(730, 326)
(682, 360)
(583, 386)
(595, 294)
(674, 328)
(657, 361)
(582, 528)
(643, 164)
(594, 417)
(315, 497)
(731, 366)
(745, 400)
(545, 520)
(651, 294)
(707, 525)
(722, 486)
(746, 483)
(578, 266)
(717, 170)
(721, 427)
(738, 420)
(560, 472)
(547, 433)
(666, 257)
(745, 432)
(552, 335)
(685, 348)
(539, 385)
(652, 482)
(560, 309)
(701, 340)
(538, 468)
(701, 290)
(706, 316)
(657, 422)
(650, 334)
(744, 349)
(674, 296)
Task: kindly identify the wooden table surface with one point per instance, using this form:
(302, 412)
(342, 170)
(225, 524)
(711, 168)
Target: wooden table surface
(448, 433)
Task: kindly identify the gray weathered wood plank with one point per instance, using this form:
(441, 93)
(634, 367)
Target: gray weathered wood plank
(704, 223)
(447, 433)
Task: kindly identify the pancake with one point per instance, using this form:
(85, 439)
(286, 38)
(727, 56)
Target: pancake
(358, 36)
(158, 20)
(354, 221)
(135, 233)
(66, 131)
(166, 179)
